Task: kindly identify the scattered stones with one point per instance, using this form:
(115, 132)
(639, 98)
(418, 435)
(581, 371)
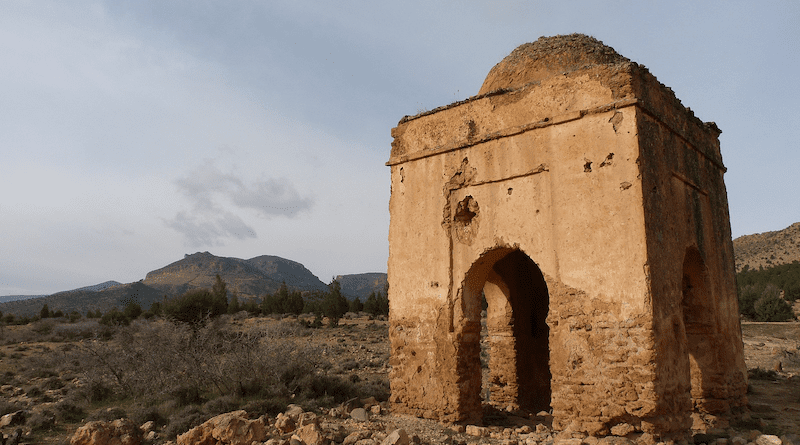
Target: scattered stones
(359, 414)
(310, 434)
(15, 418)
(622, 429)
(294, 411)
(396, 437)
(738, 440)
(768, 439)
(284, 424)
(355, 437)
(477, 431)
(615, 440)
(790, 439)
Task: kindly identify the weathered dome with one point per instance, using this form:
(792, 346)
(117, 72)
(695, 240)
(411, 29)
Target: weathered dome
(548, 56)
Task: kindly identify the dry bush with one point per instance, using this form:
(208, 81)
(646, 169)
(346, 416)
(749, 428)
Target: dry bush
(193, 365)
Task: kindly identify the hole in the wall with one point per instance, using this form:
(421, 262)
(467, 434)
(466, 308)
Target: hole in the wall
(466, 209)
(587, 167)
(510, 190)
(472, 129)
(607, 160)
(616, 120)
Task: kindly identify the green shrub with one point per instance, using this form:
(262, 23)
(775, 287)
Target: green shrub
(43, 420)
(187, 395)
(771, 307)
(132, 310)
(7, 407)
(108, 414)
(147, 412)
(67, 411)
(195, 307)
(115, 318)
(761, 374)
(184, 420)
(97, 391)
(270, 406)
(223, 404)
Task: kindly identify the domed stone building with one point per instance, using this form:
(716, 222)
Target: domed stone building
(580, 203)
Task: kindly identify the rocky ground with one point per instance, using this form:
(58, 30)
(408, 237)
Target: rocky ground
(361, 350)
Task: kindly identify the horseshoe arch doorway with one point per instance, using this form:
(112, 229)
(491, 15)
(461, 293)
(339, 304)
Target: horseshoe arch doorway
(516, 345)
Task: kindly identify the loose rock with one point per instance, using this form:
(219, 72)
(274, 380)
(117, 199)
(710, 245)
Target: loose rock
(117, 432)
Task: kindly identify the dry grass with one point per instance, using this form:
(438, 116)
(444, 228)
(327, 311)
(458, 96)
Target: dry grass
(63, 375)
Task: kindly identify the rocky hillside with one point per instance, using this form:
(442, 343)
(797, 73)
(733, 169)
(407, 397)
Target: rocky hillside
(768, 249)
(247, 278)
(362, 284)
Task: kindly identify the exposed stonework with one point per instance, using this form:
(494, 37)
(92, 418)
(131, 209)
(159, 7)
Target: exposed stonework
(588, 206)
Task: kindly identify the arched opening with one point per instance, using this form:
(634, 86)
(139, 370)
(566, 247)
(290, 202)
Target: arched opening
(698, 308)
(516, 329)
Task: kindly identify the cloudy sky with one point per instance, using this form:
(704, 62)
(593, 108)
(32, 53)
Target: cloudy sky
(133, 132)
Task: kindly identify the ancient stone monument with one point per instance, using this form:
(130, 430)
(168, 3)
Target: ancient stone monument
(587, 205)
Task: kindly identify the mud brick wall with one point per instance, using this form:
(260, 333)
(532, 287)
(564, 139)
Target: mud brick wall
(586, 205)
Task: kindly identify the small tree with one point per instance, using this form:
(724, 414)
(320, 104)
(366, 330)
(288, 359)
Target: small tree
(220, 292)
(356, 305)
(233, 305)
(155, 308)
(294, 304)
(383, 304)
(132, 310)
(371, 305)
(45, 312)
(335, 304)
(252, 306)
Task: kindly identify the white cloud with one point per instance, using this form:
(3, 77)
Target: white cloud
(216, 198)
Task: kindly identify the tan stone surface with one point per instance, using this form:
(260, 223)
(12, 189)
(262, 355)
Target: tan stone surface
(232, 428)
(587, 205)
(117, 432)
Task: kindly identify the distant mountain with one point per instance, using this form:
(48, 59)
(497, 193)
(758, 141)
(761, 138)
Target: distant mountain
(362, 284)
(768, 249)
(6, 298)
(86, 300)
(247, 278)
(255, 277)
(98, 287)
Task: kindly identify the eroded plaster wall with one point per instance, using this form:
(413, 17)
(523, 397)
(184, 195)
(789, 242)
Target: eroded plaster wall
(540, 190)
(701, 374)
